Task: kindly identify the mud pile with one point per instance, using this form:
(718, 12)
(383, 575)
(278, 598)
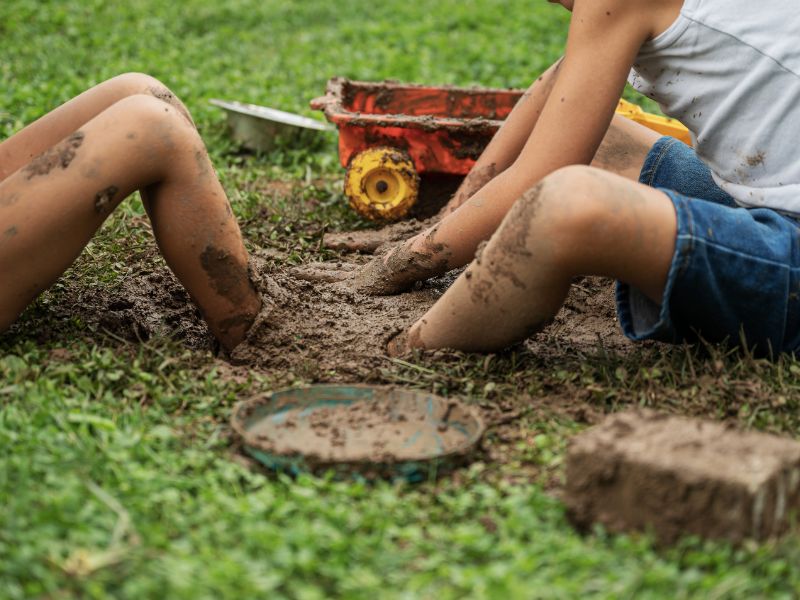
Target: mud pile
(326, 330)
(145, 304)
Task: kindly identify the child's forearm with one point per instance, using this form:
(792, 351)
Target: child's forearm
(453, 240)
(449, 244)
(506, 145)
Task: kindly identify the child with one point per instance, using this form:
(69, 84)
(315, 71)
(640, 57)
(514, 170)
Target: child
(702, 242)
(62, 176)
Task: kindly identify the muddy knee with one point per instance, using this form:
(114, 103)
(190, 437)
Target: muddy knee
(160, 125)
(564, 208)
(132, 84)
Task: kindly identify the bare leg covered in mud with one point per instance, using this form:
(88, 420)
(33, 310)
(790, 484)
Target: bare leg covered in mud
(577, 221)
(63, 175)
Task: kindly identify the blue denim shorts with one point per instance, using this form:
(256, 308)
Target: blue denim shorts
(735, 274)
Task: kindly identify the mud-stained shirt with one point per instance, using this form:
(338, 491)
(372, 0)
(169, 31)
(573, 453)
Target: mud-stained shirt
(730, 71)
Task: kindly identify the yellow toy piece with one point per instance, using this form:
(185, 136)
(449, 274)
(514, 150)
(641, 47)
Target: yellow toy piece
(663, 125)
(382, 184)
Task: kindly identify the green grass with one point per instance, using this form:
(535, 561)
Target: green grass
(117, 476)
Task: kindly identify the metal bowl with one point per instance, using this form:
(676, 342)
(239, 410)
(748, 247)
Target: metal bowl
(358, 431)
(262, 129)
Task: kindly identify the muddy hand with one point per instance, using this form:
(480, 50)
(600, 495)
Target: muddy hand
(377, 278)
(370, 240)
(325, 272)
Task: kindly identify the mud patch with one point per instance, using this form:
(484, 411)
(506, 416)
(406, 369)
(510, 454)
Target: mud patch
(103, 200)
(328, 332)
(586, 322)
(9, 200)
(60, 155)
(229, 278)
(147, 303)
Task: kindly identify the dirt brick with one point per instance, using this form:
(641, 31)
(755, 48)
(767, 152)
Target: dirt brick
(678, 476)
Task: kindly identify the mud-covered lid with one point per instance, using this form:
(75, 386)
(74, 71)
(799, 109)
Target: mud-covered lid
(357, 430)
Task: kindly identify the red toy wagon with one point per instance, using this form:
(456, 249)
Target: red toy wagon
(391, 133)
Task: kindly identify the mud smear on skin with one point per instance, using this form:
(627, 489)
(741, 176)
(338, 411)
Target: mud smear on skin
(60, 155)
(474, 182)
(509, 256)
(103, 200)
(165, 95)
(9, 200)
(229, 277)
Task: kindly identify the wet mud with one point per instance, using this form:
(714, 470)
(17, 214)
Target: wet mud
(147, 303)
(391, 428)
(587, 322)
(323, 332)
(327, 331)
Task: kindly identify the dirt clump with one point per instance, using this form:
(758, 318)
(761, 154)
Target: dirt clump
(677, 476)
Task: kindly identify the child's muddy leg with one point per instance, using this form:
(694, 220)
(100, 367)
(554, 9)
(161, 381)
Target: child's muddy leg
(625, 147)
(46, 132)
(51, 207)
(578, 221)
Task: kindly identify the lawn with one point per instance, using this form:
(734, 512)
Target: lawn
(119, 477)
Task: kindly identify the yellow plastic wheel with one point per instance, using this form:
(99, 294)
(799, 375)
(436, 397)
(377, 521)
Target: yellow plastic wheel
(382, 184)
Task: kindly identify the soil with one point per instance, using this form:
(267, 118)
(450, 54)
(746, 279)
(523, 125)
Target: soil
(587, 322)
(677, 476)
(326, 330)
(321, 331)
(147, 303)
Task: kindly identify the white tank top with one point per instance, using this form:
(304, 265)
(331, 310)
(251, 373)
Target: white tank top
(730, 71)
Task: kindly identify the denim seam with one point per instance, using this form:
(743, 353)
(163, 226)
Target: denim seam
(684, 240)
(728, 250)
(650, 174)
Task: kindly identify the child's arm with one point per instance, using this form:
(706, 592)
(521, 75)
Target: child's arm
(604, 38)
(509, 140)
